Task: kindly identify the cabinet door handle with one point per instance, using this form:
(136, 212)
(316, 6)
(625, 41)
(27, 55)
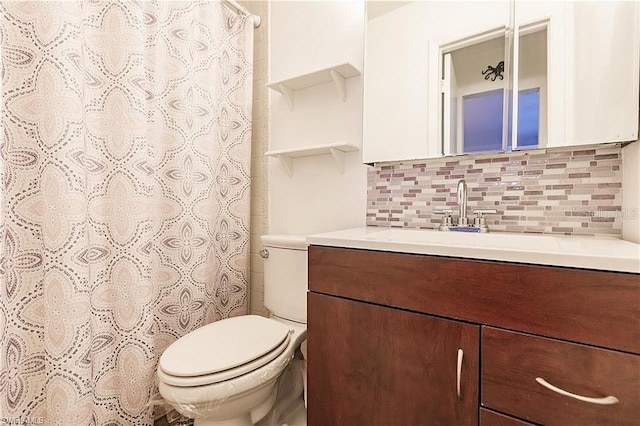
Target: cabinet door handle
(459, 373)
(607, 400)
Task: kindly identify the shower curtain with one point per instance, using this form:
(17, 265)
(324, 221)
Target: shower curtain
(124, 197)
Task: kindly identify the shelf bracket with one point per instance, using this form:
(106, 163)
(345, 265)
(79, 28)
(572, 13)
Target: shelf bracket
(287, 162)
(288, 94)
(339, 157)
(341, 84)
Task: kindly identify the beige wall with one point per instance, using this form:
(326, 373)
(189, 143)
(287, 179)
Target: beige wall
(317, 197)
(259, 144)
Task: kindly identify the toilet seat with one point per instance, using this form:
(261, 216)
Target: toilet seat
(223, 375)
(249, 342)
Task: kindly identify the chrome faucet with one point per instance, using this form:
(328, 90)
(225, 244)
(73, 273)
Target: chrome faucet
(463, 220)
(463, 225)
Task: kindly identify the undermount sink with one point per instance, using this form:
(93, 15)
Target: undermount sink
(603, 253)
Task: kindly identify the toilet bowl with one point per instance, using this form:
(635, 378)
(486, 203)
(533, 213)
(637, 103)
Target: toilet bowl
(226, 373)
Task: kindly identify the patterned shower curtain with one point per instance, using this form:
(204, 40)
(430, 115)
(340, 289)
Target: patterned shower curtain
(124, 198)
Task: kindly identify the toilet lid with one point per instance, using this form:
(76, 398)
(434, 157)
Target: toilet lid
(223, 345)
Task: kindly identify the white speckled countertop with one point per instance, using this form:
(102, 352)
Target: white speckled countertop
(608, 254)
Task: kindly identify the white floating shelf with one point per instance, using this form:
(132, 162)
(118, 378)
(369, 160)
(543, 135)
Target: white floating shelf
(336, 74)
(337, 151)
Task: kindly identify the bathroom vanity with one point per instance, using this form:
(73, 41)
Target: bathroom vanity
(413, 327)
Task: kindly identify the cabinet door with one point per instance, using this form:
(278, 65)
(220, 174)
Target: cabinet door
(602, 72)
(403, 71)
(374, 365)
(587, 78)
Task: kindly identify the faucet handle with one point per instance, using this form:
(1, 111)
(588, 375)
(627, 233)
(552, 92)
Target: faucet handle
(479, 221)
(447, 220)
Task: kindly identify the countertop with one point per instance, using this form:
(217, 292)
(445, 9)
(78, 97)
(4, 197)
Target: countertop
(600, 253)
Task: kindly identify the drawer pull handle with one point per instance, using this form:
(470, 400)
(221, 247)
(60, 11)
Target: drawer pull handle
(459, 373)
(607, 400)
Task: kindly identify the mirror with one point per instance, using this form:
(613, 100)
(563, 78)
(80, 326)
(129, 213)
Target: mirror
(440, 76)
(477, 97)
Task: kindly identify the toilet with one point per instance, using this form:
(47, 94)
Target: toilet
(226, 373)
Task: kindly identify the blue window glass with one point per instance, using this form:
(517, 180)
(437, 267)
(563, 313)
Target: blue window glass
(528, 118)
(482, 121)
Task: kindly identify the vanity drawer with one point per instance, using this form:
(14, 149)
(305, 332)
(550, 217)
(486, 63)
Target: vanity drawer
(594, 307)
(491, 418)
(513, 361)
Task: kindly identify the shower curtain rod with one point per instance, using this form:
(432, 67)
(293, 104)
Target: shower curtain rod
(240, 9)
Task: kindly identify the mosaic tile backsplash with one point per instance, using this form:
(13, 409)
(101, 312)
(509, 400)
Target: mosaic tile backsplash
(575, 191)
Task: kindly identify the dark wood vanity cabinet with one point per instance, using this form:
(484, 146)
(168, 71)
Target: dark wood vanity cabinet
(384, 331)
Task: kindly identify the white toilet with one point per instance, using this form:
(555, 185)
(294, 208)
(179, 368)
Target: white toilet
(226, 373)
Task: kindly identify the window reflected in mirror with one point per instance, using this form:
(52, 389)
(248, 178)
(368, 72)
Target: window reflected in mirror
(528, 118)
(482, 121)
(473, 93)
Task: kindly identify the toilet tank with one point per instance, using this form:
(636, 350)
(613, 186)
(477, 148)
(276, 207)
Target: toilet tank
(285, 276)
